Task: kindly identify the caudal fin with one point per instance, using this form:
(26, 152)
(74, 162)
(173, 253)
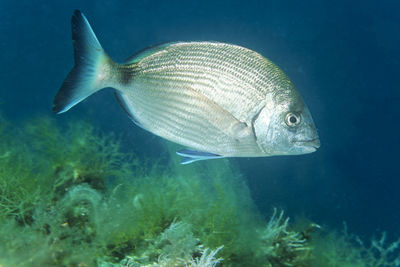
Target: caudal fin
(91, 66)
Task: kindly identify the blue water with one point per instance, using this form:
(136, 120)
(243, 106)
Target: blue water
(343, 56)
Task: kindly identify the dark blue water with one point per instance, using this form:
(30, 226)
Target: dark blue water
(343, 56)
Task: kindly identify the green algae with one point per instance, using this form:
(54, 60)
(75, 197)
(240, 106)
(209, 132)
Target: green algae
(69, 196)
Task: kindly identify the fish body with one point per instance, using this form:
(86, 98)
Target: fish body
(218, 99)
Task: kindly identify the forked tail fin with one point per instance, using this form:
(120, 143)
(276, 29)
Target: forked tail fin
(91, 70)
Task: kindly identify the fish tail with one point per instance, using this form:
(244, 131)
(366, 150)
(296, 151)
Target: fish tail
(92, 71)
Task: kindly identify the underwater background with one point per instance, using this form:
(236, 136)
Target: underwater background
(343, 57)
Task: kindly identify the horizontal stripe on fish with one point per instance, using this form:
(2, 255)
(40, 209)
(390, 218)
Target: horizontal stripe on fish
(183, 114)
(238, 90)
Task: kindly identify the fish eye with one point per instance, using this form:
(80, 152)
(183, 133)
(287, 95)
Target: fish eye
(292, 119)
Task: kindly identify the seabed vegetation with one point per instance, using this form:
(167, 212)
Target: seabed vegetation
(70, 196)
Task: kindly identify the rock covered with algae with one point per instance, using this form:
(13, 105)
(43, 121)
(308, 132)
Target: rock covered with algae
(69, 196)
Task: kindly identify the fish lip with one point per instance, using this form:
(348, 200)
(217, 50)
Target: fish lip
(314, 143)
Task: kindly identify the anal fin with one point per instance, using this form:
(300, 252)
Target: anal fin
(126, 108)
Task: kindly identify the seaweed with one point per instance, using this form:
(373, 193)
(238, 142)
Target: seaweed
(51, 189)
(283, 246)
(69, 196)
(344, 249)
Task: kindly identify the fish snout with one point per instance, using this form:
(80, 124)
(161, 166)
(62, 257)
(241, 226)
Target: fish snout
(313, 143)
(308, 146)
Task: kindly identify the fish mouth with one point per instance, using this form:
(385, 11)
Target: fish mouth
(313, 143)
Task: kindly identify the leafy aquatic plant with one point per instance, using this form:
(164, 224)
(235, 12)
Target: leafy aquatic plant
(218, 210)
(70, 197)
(282, 246)
(176, 246)
(19, 177)
(336, 249)
(207, 259)
(50, 191)
(77, 154)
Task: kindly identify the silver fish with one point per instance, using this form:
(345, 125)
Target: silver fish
(217, 99)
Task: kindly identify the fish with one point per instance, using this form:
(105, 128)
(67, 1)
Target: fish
(215, 99)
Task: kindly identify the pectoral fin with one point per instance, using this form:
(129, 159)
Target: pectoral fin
(190, 156)
(224, 120)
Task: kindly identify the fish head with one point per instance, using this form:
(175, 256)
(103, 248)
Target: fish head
(284, 126)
